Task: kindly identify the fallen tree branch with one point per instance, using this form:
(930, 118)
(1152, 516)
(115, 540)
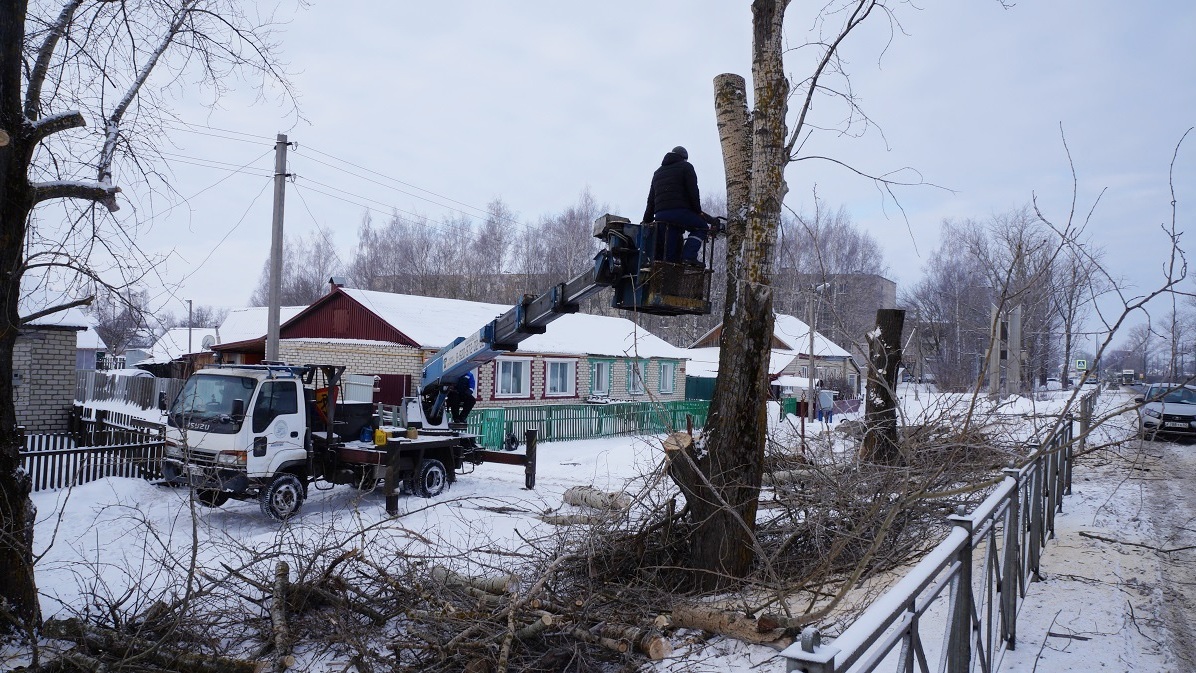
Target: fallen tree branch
(731, 624)
(1094, 536)
(125, 646)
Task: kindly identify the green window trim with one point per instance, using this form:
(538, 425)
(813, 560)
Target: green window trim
(610, 369)
(671, 379)
(631, 378)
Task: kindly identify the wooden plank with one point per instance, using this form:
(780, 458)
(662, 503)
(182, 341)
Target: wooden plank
(501, 457)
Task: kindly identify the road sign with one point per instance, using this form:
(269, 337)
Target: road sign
(1081, 365)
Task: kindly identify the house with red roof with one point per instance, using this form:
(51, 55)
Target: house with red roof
(389, 336)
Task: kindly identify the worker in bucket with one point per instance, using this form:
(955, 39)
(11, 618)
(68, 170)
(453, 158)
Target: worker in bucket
(462, 398)
(673, 199)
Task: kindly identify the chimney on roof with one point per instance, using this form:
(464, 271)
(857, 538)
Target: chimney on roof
(337, 281)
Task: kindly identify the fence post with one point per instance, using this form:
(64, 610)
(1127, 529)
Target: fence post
(1011, 565)
(100, 428)
(959, 646)
(1036, 478)
(529, 468)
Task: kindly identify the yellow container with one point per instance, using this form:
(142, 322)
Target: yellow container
(379, 437)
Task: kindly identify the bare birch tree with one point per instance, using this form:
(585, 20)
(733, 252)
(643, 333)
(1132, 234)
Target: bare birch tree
(110, 63)
(722, 482)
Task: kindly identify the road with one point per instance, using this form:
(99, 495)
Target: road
(1171, 508)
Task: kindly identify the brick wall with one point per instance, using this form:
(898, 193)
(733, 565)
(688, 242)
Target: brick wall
(44, 378)
(357, 358)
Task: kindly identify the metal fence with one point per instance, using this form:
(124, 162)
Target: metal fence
(978, 574)
(140, 390)
(96, 448)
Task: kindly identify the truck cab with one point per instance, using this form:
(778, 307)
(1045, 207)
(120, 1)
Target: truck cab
(234, 431)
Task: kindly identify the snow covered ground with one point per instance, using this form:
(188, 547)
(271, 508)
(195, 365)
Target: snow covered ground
(1100, 604)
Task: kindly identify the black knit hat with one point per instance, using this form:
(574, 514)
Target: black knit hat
(680, 151)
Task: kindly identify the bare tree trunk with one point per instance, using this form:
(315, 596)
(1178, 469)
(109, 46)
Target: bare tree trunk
(723, 493)
(18, 593)
(880, 415)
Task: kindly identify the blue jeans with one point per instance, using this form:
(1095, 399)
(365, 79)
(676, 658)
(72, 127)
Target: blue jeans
(825, 414)
(682, 221)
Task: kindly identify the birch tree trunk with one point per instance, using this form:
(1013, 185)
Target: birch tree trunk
(723, 493)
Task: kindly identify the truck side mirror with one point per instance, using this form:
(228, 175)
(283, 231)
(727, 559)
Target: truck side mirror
(162, 400)
(238, 408)
(1140, 399)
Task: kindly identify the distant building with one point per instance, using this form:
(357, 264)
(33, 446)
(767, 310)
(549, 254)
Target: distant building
(845, 309)
(789, 361)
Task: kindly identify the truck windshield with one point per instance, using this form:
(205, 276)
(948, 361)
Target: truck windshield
(209, 399)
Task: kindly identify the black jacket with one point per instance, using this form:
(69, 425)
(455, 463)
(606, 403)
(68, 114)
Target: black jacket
(674, 185)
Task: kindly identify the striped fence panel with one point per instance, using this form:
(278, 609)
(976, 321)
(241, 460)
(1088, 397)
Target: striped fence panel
(560, 422)
(62, 460)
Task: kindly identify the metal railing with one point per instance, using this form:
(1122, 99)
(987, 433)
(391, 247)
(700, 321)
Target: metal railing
(978, 574)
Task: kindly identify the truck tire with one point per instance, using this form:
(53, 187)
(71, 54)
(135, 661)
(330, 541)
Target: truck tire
(431, 480)
(282, 498)
(210, 497)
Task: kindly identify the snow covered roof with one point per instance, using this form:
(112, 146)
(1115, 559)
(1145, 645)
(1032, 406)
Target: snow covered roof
(795, 334)
(243, 324)
(434, 322)
(173, 344)
(703, 362)
(71, 318)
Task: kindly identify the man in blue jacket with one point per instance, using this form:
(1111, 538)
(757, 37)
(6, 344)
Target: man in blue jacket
(674, 198)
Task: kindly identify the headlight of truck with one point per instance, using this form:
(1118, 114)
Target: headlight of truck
(1152, 413)
(173, 450)
(231, 458)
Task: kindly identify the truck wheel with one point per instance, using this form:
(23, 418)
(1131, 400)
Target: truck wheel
(282, 498)
(431, 480)
(210, 497)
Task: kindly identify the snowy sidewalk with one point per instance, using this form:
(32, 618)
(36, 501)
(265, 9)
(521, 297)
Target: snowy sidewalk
(1102, 605)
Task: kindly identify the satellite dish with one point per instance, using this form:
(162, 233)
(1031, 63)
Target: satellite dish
(209, 341)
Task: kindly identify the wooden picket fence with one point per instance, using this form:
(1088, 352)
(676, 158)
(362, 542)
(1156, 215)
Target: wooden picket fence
(95, 448)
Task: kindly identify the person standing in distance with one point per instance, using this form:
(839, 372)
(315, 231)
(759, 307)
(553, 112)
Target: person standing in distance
(674, 198)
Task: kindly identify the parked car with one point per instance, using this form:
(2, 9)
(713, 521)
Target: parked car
(1167, 409)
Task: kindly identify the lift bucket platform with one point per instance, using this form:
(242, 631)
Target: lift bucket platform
(663, 288)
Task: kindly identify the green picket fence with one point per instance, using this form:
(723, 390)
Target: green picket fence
(560, 422)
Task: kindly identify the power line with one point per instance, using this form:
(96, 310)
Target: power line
(401, 182)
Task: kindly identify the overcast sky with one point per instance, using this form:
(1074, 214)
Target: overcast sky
(534, 101)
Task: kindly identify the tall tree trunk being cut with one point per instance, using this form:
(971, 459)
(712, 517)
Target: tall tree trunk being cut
(723, 490)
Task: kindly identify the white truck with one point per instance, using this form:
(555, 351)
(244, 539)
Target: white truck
(263, 431)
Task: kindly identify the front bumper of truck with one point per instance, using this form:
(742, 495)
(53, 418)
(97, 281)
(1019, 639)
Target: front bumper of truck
(198, 476)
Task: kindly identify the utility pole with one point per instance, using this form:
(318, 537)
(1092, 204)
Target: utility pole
(280, 187)
(815, 291)
(189, 323)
